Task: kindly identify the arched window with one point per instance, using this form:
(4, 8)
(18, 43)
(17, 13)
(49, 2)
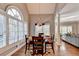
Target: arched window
(16, 24)
(15, 12)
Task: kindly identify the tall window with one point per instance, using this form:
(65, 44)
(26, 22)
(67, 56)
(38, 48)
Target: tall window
(42, 29)
(38, 29)
(2, 31)
(25, 29)
(13, 32)
(12, 26)
(65, 29)
(69, 29)
(16, 25)
(21, 31)
(46, 29)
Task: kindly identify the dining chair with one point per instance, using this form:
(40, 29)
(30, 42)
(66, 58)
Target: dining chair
(26, 38)
(51, 43)
(41, 34)
(37, 45)
(29, 44)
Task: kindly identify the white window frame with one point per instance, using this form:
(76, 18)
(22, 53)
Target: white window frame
(16, 19)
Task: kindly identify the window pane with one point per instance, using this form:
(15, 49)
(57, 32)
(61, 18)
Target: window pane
(26, 29)
(46, 29)
(2, 31)
(65, 29)
(13, 31)
(15, 13)
(38, 29)
(21, 31)
(10, 13)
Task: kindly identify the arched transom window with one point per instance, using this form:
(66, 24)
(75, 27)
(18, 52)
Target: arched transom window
(15, 12)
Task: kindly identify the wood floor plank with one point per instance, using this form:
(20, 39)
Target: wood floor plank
(65, 50)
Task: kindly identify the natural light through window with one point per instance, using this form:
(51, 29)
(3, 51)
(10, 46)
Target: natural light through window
(2, 31)
(13, 12)
(42, 29)
(65, 29)
(16, 25)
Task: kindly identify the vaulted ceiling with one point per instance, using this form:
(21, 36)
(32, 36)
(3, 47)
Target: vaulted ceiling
(42, 8)
(70, 12)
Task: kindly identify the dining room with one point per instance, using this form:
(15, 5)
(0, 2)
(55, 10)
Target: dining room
(36, 29)
(45, 25)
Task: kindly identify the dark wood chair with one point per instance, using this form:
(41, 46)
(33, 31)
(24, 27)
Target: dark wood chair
(27, 45)
(26, 38)
(41, 34)
(37, 45)
(51, 43)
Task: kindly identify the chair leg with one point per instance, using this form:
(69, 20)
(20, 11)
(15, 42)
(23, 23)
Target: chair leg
(33, 50)
(42, 53)
(53, 48)
(42, 50)
(45, 48)
(28, 46)
(25, 48)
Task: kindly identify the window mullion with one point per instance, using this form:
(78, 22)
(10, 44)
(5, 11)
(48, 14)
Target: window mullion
(12, 12)
(18, 31)
(7, 30)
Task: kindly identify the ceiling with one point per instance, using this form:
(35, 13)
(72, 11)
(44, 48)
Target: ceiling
(70, 7)
(70, 12)
(42, 8)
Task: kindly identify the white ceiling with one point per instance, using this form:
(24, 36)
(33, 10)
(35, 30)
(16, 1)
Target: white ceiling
(69, 8)
(42, 8)
(70, 12)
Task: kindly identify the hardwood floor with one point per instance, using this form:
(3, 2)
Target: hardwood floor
(64, 50)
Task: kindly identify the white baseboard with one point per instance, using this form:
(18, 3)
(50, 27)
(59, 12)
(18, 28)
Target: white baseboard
(15, 50)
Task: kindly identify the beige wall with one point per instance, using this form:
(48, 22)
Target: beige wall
(42, 18)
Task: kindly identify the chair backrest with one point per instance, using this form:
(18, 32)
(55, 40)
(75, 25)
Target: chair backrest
(36, 39)
(37, 44)
(41, 34)
(26, 38)
(52, 37)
